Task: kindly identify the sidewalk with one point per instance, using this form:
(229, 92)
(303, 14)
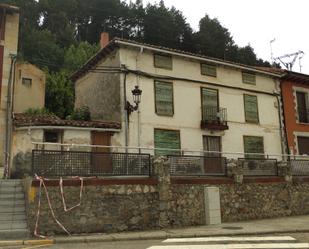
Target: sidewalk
(255, 227)
(266, 226)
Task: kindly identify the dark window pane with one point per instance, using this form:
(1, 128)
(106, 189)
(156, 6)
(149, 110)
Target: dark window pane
(51, 136)
(303, 145)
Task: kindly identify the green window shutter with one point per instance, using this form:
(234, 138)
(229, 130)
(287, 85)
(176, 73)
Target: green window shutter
(209, 103)
(251, 108)
(166, 139)
(253, 145)
(209, 70)
(163, 61)
(248, 78)
(164, 98)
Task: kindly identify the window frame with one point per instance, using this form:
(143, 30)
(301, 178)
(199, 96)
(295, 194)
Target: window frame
(162, 55)
(202, 106)
(211, 65)
(59, 136)
(306, 105)
(246, 153)
(155, 98)
(26, 79)
(243, 73)
(257, 109)
(167, 130)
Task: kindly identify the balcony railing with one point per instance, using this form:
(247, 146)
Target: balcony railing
(303, 115)
(83, 163)
(299, 167)
(259, 166)
(197, 165)
(214, 118)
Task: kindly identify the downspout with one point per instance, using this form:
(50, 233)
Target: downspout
(126, 118)
(8, 121)
(285, 135)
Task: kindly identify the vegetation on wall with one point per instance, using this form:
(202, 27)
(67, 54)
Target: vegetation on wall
(60, 35)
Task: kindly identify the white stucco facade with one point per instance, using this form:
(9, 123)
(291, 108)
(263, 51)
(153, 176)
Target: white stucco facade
(187, 104)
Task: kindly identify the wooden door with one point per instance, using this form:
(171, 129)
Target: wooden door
(101, 158)
(213, 162)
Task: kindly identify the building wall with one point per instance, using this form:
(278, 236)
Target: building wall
(187, 105)
(293, 127)
(9, 47)
(100, 91)
(28, 96)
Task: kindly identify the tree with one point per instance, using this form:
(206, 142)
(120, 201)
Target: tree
(59, 97)
(76, 55)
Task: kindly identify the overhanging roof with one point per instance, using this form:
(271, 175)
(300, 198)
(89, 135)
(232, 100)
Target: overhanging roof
(117, 42)
(9, 8)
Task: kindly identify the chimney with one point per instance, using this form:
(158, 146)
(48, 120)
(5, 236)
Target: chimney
(104, 39)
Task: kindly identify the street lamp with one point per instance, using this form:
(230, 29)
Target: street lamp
(136, 99)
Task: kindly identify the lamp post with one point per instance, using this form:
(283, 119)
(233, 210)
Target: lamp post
(136, 92)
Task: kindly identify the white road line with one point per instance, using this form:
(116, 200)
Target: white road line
(210, 239)
(237, 246)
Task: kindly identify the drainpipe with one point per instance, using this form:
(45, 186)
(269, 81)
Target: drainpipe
(8, 121)
(126, 118)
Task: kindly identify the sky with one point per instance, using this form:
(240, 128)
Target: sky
(257, 22)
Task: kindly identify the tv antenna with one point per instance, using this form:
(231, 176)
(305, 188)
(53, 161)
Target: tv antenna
(289, 64)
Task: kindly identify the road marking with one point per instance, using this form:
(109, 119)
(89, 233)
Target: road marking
(238, 246)
(210, 239)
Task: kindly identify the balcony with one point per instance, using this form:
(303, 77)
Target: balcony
(303, 115)
(214, 118)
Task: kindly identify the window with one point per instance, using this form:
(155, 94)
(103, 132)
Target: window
(27, 82)
(251, 109)
(163, 61)
(209, 70)
(253, 144)
(213, 162)
(210, 104)
(303, 145)
(212, 143)
(248, 78)
(164, 102)
(52, 136)
(166, 139)
(302, 107)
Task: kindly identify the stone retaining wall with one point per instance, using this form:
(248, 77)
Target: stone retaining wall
(105, 208)
(126, 204)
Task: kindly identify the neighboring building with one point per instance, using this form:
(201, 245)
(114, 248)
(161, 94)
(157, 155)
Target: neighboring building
(295, 95)
(29, 88)
(30, 129)
(9, 25)
(188, 102)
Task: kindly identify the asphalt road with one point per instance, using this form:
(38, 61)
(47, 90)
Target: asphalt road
(269, 241)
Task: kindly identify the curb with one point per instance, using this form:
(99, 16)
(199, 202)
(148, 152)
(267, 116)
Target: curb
(26, 242)
(162, 235)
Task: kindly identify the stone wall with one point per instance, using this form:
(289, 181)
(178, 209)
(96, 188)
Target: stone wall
(238, 202)
(104, 208)
(126, 204)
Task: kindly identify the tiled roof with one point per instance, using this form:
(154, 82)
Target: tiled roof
(93, 61)
(22, 119)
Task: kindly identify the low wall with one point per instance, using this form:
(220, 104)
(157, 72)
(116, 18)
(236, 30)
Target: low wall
(113, 205)
(104, 208)
(239, 201)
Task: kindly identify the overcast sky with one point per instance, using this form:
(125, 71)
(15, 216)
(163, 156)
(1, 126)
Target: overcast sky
(256, 22)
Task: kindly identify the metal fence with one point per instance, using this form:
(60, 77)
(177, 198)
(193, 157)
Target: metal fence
(259, 166)
(299, 167)
(197, 165)
(84, 163)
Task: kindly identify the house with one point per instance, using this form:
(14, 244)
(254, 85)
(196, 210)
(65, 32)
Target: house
(189, 102)
(295, 97)
(48, 132)
(9, 25)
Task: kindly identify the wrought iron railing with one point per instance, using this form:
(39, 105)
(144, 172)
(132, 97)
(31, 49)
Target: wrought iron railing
(83, 163)
(303, 115)
(215, 115)
(299, 167)
(259, 166)
(184, 165)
